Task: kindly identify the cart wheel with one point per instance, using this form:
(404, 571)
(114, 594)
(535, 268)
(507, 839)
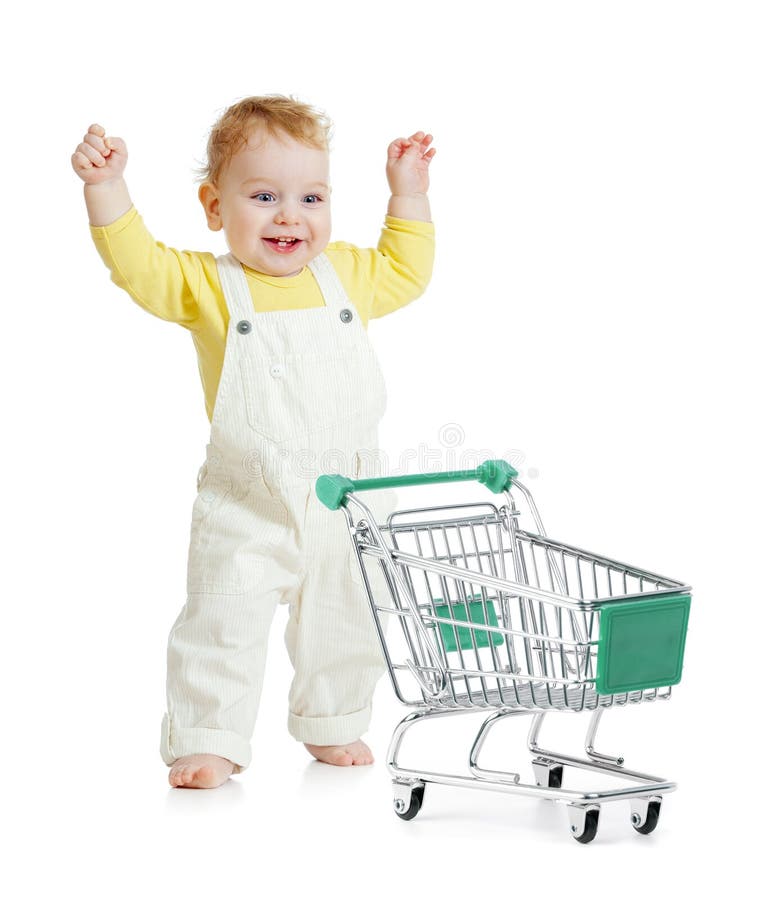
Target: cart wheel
(584, 823)
(651, 818)
(414, 804)
(547, 774)
(555, 776)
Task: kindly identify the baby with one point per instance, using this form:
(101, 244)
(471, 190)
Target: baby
(292, 389)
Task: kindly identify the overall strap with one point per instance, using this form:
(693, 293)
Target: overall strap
(328, 281)
(235, 287)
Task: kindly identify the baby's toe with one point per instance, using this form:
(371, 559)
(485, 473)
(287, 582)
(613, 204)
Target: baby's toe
(363, 759)
(342, 758)
(181, 776)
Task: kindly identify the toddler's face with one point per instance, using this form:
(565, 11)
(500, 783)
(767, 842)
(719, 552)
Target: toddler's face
(275, 188)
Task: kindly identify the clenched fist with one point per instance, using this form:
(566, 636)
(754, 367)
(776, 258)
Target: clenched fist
(98, 158)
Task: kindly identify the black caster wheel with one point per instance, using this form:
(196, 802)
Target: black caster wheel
(586, 830)
(555, 776)
(415, 803)
(651, 818)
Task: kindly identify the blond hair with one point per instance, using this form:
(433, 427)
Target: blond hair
(278, 114)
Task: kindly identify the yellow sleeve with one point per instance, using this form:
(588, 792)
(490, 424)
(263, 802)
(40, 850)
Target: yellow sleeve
(384, 279)
(404, 261)
(165, 282)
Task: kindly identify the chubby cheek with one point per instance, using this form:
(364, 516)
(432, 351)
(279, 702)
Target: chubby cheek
(323, 234)
(245, 229)
(322, 240)
(254, 224)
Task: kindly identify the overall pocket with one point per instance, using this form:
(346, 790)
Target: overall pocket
(290, 397)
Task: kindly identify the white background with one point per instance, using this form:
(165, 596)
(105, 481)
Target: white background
(606, 195)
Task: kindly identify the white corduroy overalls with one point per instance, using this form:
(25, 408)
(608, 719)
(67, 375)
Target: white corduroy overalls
(301, 393)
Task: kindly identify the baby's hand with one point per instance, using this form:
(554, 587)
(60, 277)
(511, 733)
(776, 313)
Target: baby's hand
(408, 162)
(99, 158)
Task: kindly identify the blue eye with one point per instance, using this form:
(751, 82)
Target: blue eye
(263, 197)
(312, 198)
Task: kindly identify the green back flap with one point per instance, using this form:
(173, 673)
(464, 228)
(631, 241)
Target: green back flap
(641, 644)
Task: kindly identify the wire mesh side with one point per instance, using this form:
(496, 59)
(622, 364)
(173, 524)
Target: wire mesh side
(500, 648)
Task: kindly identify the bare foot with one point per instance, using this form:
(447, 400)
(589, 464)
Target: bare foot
(354, 754)
(201, 770)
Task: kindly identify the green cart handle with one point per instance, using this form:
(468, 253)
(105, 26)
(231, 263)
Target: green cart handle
(495, 474)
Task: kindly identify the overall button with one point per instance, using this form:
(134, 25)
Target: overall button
(346, 315)
(244, 327)
(277, 370)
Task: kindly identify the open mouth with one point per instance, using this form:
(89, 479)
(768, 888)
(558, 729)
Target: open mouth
(282, 245)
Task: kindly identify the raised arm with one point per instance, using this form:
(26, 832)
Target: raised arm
(164, 281)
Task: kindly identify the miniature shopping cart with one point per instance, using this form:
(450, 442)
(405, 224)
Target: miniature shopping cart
(477, 610)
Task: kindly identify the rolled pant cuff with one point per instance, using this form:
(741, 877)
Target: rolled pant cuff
(178, 742)
(324, 730)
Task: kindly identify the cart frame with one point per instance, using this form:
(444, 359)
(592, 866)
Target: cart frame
(534, 638)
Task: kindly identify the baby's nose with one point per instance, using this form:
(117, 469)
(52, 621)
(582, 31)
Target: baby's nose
(287, 214)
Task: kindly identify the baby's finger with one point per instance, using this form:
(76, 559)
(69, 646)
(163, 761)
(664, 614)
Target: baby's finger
(397, 147)
(80, 161)
(116, 145)
(96, 129)
(93, 155)
(99, 143)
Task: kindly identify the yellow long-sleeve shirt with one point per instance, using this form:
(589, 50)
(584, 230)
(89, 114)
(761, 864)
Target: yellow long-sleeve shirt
(183, 286)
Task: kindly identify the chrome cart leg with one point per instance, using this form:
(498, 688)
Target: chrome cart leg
(548, 773)
(403, 727)
(493, 774)
(591, 737)
(596, 762)
(408, 791)
(409, 786)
